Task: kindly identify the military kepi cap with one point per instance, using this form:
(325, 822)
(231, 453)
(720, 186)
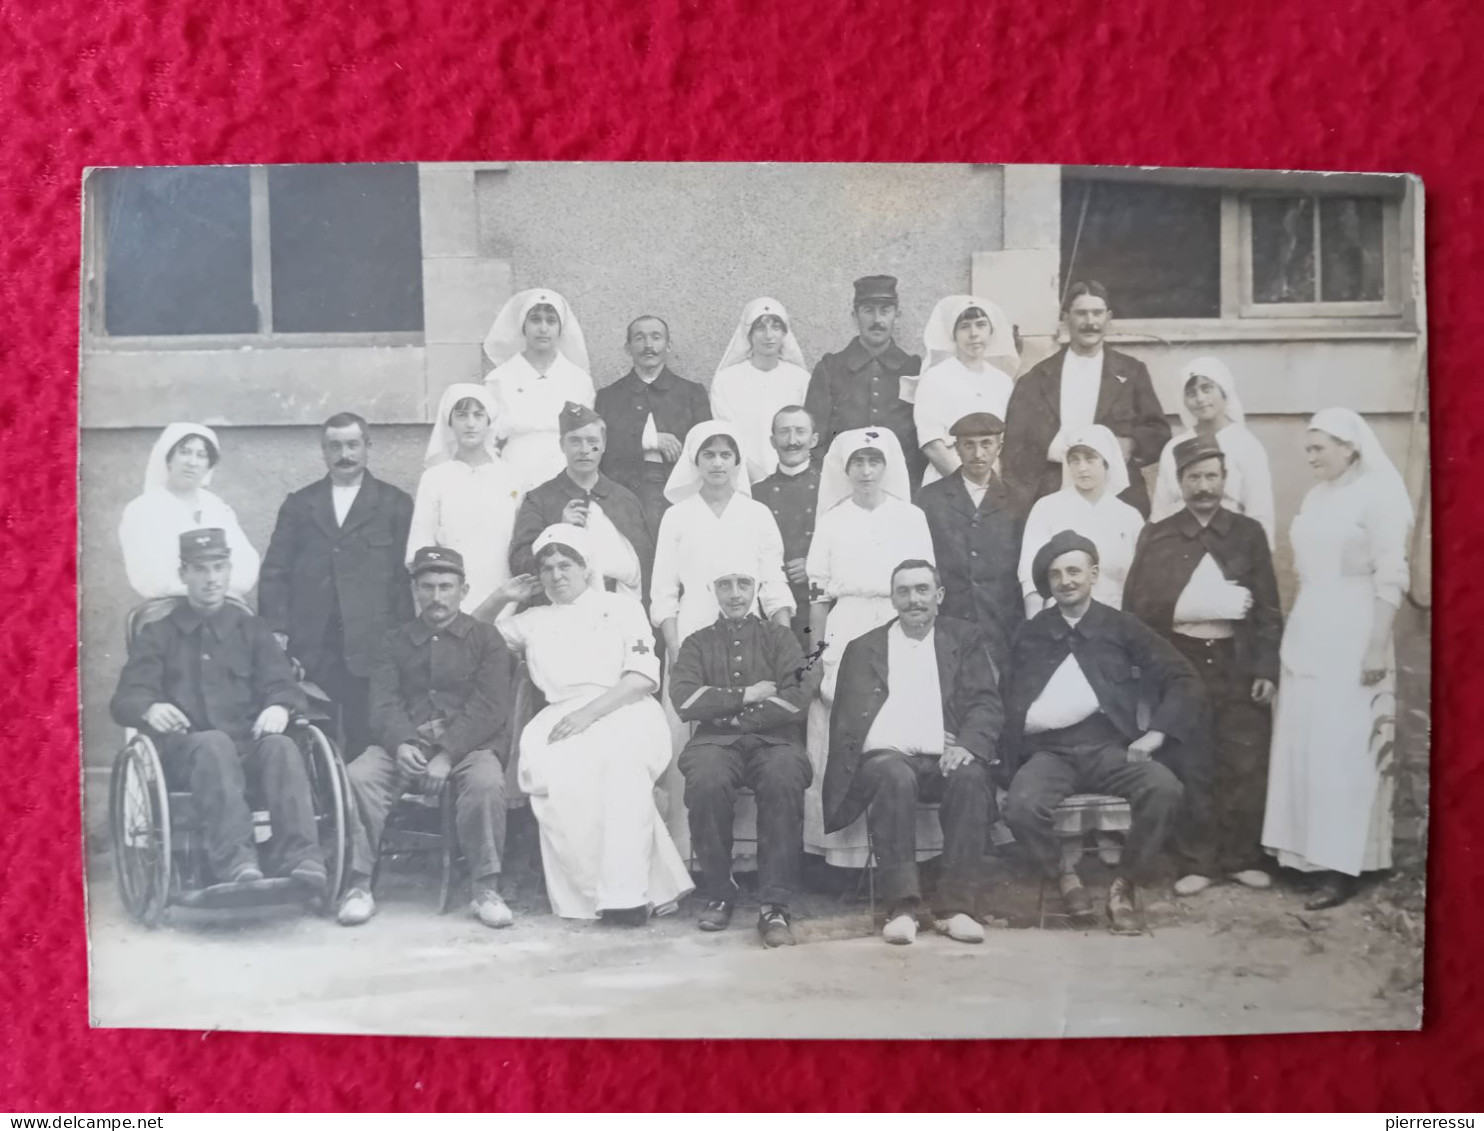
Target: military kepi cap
(876, 288)
(575, 416)
(1061, 543)
(208, 544)
(978, 424)
(1194, 449)
(439, 558)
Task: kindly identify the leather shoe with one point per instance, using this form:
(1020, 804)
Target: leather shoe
(245, 874)
(1123, 916)
(773, 925)
(311, 876)
(1336, 889)
(716, 915)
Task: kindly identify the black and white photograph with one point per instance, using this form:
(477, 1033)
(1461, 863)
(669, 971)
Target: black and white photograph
(754, 600)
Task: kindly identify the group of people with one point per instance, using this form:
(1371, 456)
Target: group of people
(895, 599)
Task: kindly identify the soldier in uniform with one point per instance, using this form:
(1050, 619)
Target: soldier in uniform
(649, 411)
(861, 386)
(583, 496)
(211, 683)
(976, 520)
(792, 494)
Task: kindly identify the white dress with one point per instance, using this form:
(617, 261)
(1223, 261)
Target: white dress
(469, 508)
(149, 535)
(749, 398)
(947, 393)
(850, 560)
(603, 843)
(1249, 478)
(1329, 801)
(1110, 524)
(530, 407)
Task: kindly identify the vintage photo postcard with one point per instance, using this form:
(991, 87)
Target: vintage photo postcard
(724, 600)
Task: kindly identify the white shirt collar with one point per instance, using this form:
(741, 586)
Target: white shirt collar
(792, 471)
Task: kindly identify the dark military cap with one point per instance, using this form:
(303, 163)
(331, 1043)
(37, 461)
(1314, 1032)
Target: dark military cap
(439, 558)
(575, 416)
(876, 288)
(1195, 449)
(978, 424)
(204, 545)
(1064, 542)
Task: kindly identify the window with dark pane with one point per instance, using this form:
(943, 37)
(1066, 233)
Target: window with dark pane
(1283, 257)
(1157, 248)
(177, 252)
(1352, 254)
(347, 248)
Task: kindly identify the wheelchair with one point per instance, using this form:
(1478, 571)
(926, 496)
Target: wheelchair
(158, 841)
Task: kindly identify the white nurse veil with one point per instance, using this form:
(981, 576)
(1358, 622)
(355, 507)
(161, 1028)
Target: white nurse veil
(739, 349)
(506, 336)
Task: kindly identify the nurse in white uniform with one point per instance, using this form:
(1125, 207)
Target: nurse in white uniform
(467, 498)
(175, 500)
(969, 365)
(540, 359)
(865, 528)
(590, 759)
(761, 372)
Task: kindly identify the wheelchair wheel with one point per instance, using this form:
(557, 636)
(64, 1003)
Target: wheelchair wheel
(327, 784)
(139, 813)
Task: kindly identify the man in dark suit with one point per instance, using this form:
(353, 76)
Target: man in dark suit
(333, 582)
(648, 411)
(917, 717)
(861, 386)
(1072, 694)
(976, 520)
(1203, 579)
(792, 494)
(1083, 383)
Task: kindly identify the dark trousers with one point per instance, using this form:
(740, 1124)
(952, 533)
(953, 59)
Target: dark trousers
(650, 489)
(894, 784)
(1091, 757)
(800, 623)
(350, 693)
(1227, 815)
(221, 778)
(478, 784)
(778, 773)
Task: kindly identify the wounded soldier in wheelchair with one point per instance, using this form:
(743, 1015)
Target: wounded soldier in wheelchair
(219, 727)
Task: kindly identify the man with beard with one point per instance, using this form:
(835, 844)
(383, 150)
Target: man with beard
(333, 581)
(648, 411)
(917, 717)
(792, 494)
(1203, 579)
(861, 386)
(1072, 696)
(1080, 385)
(583, 496)
(440, 714)
(976, 521)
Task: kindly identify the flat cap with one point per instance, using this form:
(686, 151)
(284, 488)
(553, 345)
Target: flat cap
(978, 424)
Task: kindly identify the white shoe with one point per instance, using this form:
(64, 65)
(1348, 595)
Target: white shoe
(490, 910)
(1253, 878)
(357, 907)
(961, 928)
(1192, 884)
(901, 930)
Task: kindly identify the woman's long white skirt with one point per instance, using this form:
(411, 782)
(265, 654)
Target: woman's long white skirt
(603, 842)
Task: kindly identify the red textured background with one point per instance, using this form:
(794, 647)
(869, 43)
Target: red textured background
(1387, 85)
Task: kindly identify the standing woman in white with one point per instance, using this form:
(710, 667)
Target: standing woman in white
(969, 365)
(761, 372)
(1093, 474)
(540, 359)
(1329, 793)
(175, 500)
(467, 497)
(866, 526)
(1209, 406)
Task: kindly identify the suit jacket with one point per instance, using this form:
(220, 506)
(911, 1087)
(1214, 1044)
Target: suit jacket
(1126, 404)
(543, 505)
(220, 669)
(852, 389)
(1123, 659)
(971, 707)
(315, 568)
(1167, 556)
(678, 405)
(718, 663)
(978, 554)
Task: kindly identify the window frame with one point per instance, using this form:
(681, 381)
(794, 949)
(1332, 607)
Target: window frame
(96, 337)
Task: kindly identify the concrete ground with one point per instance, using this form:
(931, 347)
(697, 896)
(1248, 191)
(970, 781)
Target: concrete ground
(1227, 961)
